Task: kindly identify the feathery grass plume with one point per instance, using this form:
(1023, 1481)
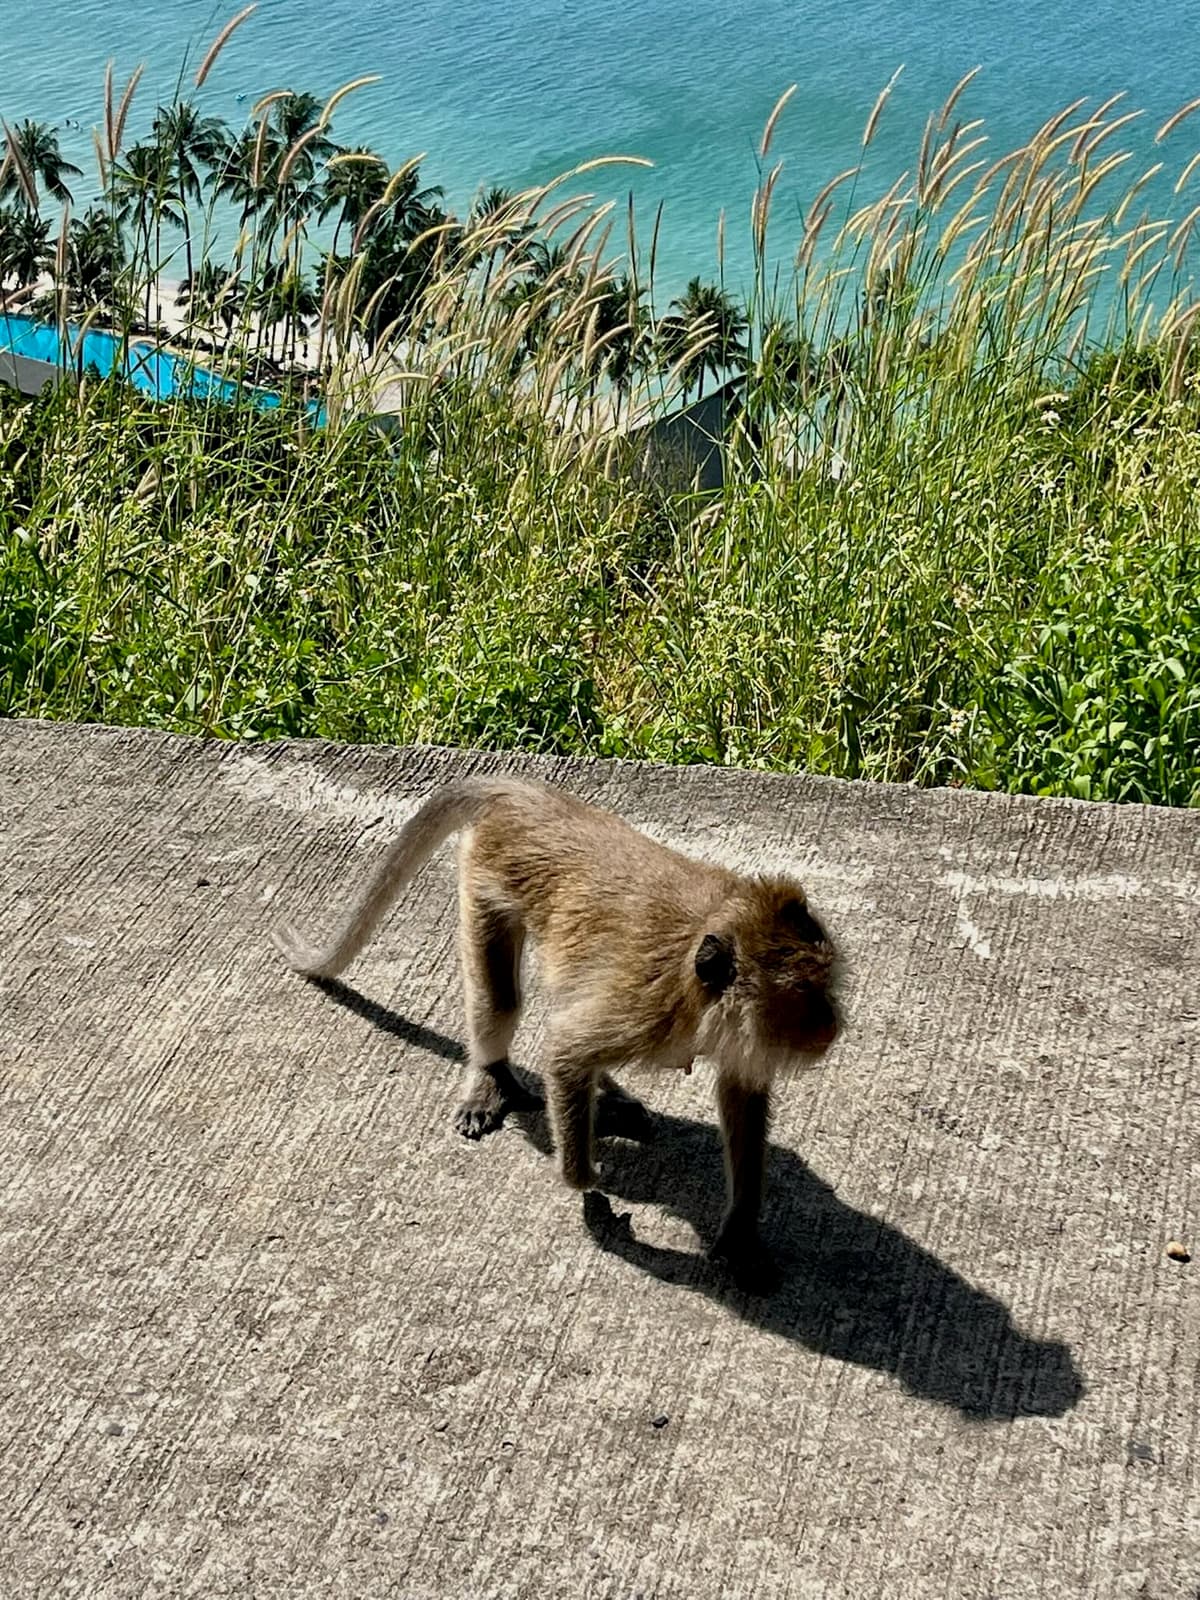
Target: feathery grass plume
(297, 150)
(110, 119)
(1132, 193)
(60, 272)
(1078, 150)
(101, 158)
(1156, 233)
(945, 188)
(923, 159)
(1050, 129)
(386, 200)
(1181, 332)
(772, 121)
(867, 218)
(338, 95)
(950, 153)
(1095, 121)
(1106, 132)
(812, 230)
(116, 125)
(877, 109)
(14, 153)
(825, 192)
(1178, 243)
(219, 43)
(261, 113)
(963, 219)
(1092, 181)
(1181, 181)
(954, 96)
(1174, 120)
(760, 207)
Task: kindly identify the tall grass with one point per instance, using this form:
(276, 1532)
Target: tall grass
(957, 540)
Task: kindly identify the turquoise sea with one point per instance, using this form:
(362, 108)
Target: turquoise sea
(515, 91)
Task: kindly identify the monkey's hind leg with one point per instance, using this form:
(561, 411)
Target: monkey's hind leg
(491, 939)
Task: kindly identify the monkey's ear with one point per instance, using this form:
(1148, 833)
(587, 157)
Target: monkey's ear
(715, 966)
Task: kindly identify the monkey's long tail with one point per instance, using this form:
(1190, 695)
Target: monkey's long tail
(454, 807)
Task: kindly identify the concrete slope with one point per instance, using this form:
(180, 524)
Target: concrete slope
(270, 1328)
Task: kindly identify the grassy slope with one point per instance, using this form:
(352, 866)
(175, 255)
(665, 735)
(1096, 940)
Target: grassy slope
(1005, 597)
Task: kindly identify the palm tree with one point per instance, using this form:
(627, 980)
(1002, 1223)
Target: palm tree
(411, 209)
(286, 297)
(402, 245)
(24, 247)
(535, 298)
(213, 294)
(95, 258)
(239, 176)
(355, 180)
(34, 151)
(785, 364)
(249, 167)
(294, 118)
(622, 331)
(141, 191)
(492, 230)
(706, 334)
(294, 115)
(189, 142)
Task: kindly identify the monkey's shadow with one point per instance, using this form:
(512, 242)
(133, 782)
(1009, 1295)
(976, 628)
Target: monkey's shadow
(851, 1286)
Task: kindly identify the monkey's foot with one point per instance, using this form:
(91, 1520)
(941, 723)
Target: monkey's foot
(620, 1116)
(748, 1261)
(494, 1092)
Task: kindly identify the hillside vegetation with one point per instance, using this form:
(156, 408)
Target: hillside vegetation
(957, 541)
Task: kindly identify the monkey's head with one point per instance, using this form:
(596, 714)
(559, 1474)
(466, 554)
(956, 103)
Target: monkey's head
(767, 968)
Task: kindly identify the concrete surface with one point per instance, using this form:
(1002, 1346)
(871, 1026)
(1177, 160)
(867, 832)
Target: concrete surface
(270, 1328)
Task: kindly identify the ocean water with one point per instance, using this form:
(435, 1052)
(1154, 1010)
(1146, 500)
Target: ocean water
(517, 91)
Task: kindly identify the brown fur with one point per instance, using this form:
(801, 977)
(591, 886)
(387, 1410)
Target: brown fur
(647, 955)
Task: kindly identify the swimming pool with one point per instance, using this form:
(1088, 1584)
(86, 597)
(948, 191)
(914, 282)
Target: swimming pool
(154, 372)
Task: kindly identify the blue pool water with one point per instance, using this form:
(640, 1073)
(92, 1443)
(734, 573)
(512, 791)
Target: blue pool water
(154, 372)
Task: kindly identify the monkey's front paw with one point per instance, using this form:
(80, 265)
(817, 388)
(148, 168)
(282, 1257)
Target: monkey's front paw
(475, 1118)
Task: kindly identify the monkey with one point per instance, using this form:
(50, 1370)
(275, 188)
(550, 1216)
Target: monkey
(647, 956)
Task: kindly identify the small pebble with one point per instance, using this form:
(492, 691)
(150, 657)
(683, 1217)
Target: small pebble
(1178, 1251)
(114, 1430)
(660, 1422)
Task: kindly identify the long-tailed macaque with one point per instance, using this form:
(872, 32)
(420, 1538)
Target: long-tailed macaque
(647, 956)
